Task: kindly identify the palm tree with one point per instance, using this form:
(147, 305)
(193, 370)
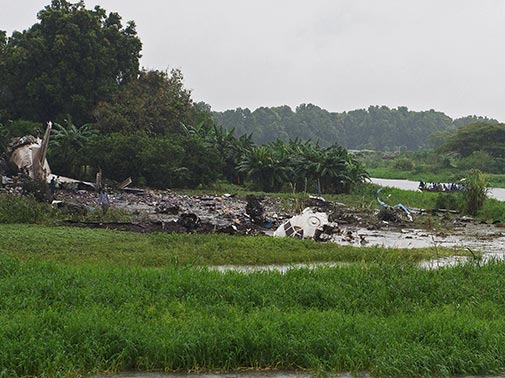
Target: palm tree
(66, 144)
(331, 169)
(267, 167)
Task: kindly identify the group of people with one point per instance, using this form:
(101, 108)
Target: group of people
(440, 187)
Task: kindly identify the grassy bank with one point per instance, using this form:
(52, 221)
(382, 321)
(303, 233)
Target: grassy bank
(392, 319)
(78, 246)
(76, 301)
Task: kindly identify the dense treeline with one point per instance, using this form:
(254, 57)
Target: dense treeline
(80, 69)
(379, 128)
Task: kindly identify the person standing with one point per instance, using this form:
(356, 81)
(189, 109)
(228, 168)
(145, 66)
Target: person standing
(52, 187)
(104, 201)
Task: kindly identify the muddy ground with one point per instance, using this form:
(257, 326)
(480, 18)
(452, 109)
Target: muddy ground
(165, 211)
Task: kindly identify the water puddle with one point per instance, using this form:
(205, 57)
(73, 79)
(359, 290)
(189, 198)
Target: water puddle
(282, 268)
(496, 193)
(483, 242)
(487, 240)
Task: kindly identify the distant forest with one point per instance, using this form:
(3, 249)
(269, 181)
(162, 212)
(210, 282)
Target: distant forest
(378, 127)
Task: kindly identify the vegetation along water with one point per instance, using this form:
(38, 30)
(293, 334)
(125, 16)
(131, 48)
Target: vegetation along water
(77, 301)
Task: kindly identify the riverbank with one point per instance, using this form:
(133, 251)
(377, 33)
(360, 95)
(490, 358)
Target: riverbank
(495, 193)
(442, 175)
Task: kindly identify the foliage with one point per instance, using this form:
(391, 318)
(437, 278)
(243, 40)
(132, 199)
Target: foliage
(475, 192)
(302, 165)
(269, 168)
(230, 148)
(155, 103)
(449, 201)
(66, 147)
(404, 164)
(175, 161)
(67, 62)
(486, 137)
(473, 119)
(482, 161)
(11, 129)
(39, 190)
(379, 128)
(26, 209)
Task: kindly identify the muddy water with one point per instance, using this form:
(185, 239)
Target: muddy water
(485, 241)
(483, 238)
(496, 193)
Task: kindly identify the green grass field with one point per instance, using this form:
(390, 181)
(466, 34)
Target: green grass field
(78, 246)
(77, 301)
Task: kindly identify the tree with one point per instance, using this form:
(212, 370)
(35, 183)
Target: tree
(156, 103)
(377, 127)
(473, 119)
(174, 161)
(230, 148)
(269, 168)
(473, 137)
(67, 62)
(66, 144)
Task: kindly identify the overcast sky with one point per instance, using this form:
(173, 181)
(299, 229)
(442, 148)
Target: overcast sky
(447, 55)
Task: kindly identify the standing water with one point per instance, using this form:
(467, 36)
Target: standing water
(496, 193)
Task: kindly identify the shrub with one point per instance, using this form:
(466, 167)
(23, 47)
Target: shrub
(14, 209)
(449, 201)
(404, 164)
(38, 189)
(475, 192)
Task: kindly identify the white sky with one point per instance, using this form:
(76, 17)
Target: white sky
(447, 55)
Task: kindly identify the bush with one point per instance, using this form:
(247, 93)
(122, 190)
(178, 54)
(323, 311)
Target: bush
(482, 161)
(14, 209)
(475, 192)
(404, 164)
(161, 162)
(449, 201)
(38, 189)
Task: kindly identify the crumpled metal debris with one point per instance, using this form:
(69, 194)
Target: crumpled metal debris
(305, 225)
(254, 209)
(27, 155)
(189, 221)
(390, 213)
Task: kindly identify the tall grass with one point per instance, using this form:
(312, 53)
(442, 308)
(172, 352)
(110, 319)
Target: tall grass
(475, 192)
(391, 319)
(16, 209)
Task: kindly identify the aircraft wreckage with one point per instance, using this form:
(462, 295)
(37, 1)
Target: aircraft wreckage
(27, 155)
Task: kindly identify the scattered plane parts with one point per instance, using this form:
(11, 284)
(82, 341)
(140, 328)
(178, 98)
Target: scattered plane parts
(305, 225)
(27, 155)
